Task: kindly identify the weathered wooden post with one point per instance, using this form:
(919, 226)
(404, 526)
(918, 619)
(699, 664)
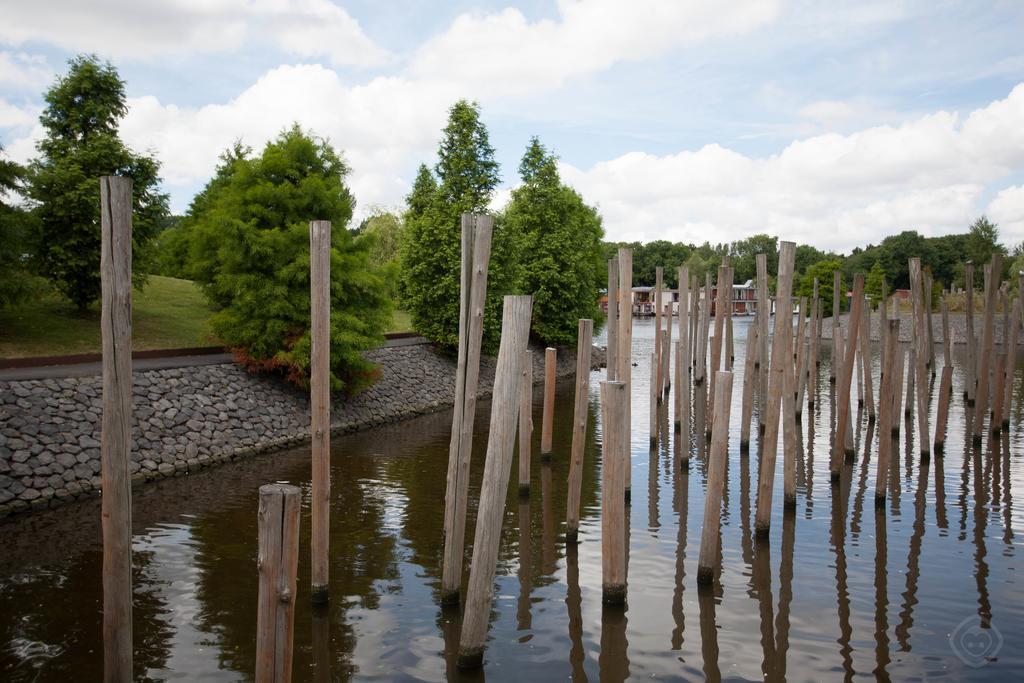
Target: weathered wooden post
(812, 378)
(789, 428)
(908, 406)
(659, 275)
(804, 367)
(836, 285)
(721, 305)
(929, 333)
(942, 417)
(579, 429)
(947, 342)
(612, 354)
(764, 307)
(116, 426)
(845, 378)
(320, 403)
(972, 356)
(898, 387)
(666, 352)
(625, 373)
(614, 462)
(987, 333)
(526, 425)
(515, 332)
(776, 387)
(730, 352)
(865, 354)
(278, 563)
(476, 254)
(998, 391)
(750, 381)
(921, 328)
(683, 347)
(653, 398)
(548, 418)
(710, 539)
(1011, 359)
(888, 407)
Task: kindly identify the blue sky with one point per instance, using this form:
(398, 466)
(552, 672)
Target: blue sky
(831, 123)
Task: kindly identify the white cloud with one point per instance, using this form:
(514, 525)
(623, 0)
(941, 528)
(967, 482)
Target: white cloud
(1007, 211)
(505, 53)
(12, 116)
(23, 71)
(830, 190)
(149, 30)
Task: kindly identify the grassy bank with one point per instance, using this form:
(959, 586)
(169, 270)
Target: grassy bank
(169, 313)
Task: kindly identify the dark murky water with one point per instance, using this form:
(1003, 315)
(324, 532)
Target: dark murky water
(925, 588)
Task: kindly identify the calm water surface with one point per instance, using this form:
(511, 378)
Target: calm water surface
(924, 589)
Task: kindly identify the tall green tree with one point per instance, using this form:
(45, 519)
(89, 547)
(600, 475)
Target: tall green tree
(17, 283)
(463, 181)
(823, 271)
(743, 256)
(84, 109)
(250, 252)
(982, 241)
(874, 284)
(562, 236)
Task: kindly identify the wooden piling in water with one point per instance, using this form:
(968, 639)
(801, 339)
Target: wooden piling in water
(515, 332)
(947, 342)
(278, 563)
(1011, 360)
(666, 358)
(625, 373)
(805, 368)
(721, 303)
(548, 417)
(750, 382)
(116, 424)
(614, 463)
(942, 416)
(836, 285)
(653, 398)
(888, 407)
(845, 378)
(584, 336)
(789, 429)
(865, 354)
(998, 391)
(972, 357)
(730, 351)
(898, 387)
(776, 387)
(929, 333)
(612, 353)
(683, 347)
(908, 405)
(320, 404)
(922, 334)
(659, 276)
(526, 424)
(812, 378)
(708, 562)
(763, 361)
(981, 399)
(476, 254)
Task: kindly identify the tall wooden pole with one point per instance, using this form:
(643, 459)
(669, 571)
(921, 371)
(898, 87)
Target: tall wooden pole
(812, 378)
(865, 353)
(652, 422)
(116, 429)
(666, 352)
(776, 387)
(929, 333)
(888, 407)
(612, 356)
(749, 384)
(658, 379)
(845, 378)
(476, 253)
(981, 400)
(721, 304)
(921, 333)
(548, 416)
(971, 348)
(764, 307)
(947, 341)
(613, 481)
(579, 428)
(526, 425)
(320, 402)
(278, 563)
(683, 353)
(836, 307)
(1011, 359)
(625, 374)
(515, 332)
(710, 539)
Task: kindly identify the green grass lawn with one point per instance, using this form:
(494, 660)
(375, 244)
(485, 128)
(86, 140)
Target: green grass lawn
(169, 313)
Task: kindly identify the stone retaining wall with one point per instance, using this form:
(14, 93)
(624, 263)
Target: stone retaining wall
(193, 417)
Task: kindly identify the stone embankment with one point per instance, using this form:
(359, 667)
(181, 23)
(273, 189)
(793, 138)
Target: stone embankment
(193, 417)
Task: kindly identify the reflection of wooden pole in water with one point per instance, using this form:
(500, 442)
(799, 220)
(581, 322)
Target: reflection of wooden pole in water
(476, 253)
(761, 586)
(882, 658)
(574, 605)
(579, 428)
(706, 596)
(980, 513)
(845, 377)
(321, 644)
(278, 562)
(116, 424)
(515, 331)
(922, 335)
(681, 479)
(523, 617)
(750, 381)
(614, 462)
(612, 354)
(1011, 361)
(526, 425)
(548, 416)
(981, 400)
(710, 540)
(625, 373)
(548, 523)
(913, 561)
(613, 660)
(862, 485)
(320, 403)
(785, 593)
(840, 494)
